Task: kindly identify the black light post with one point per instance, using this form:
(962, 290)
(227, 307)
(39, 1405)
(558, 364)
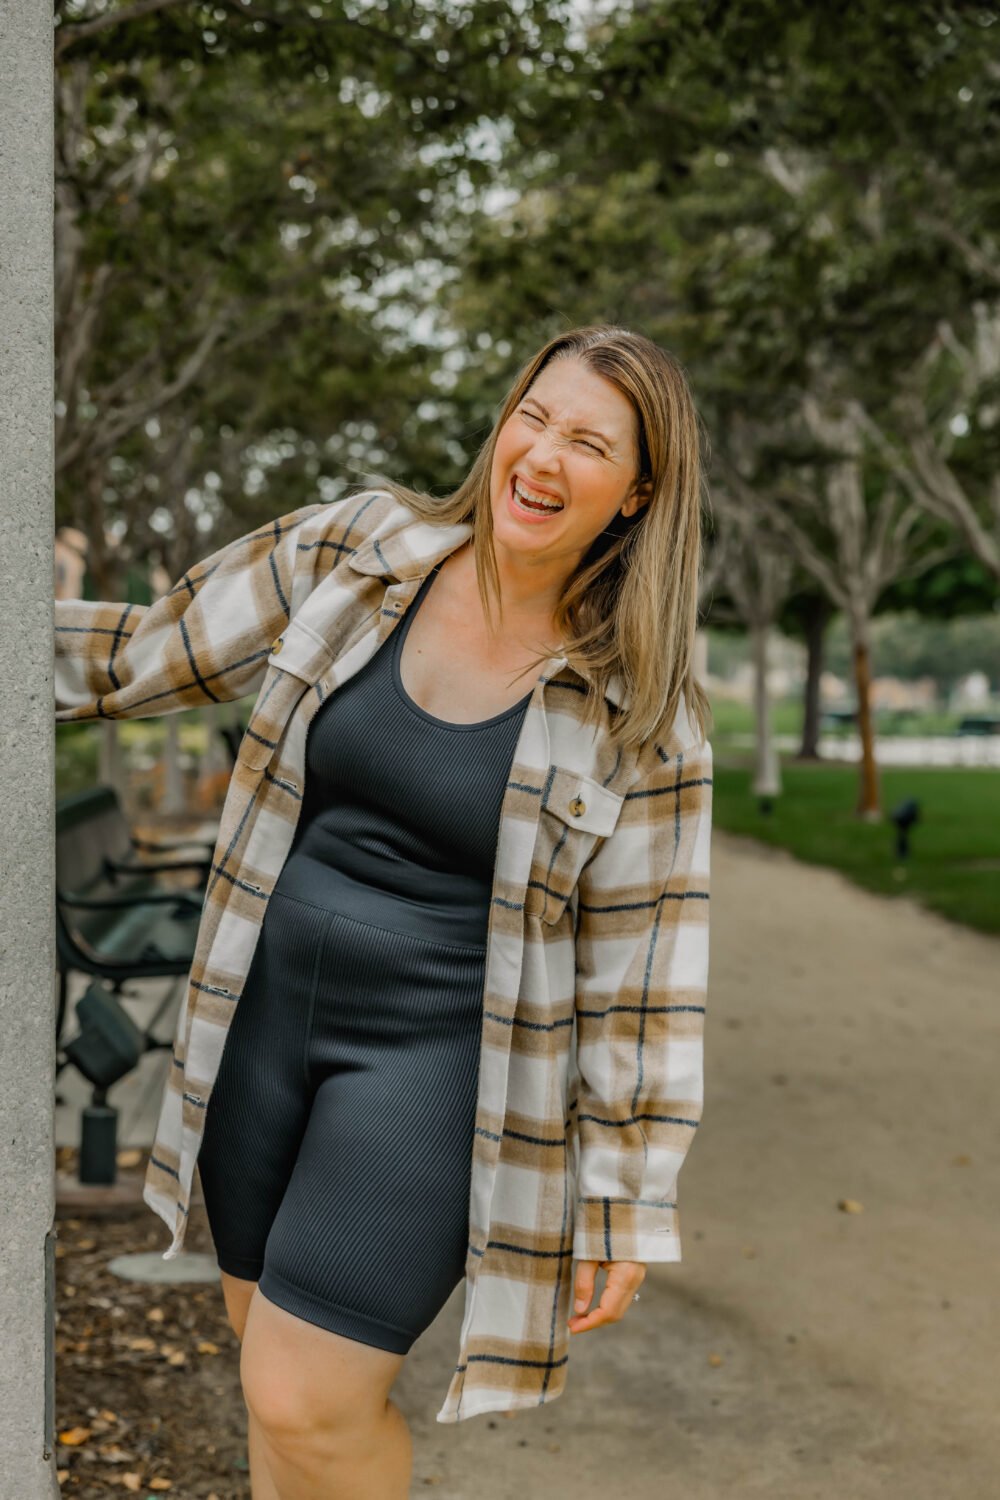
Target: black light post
(904, 816)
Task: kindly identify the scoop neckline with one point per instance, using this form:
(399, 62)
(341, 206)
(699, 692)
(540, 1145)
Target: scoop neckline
(397, 676)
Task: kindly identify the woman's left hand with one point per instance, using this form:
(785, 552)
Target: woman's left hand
(625, 1277)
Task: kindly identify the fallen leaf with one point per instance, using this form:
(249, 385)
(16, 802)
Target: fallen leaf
(131, 1482)
(86, 1244)
(129, 1158)
(715, 1360)
(178, 1358)
(155, 1314)
(63, 1474)
(161, 1484)
(206, 1347)
(73, 1436)
(851, 1206)
(109, 1416)
(142, 1343)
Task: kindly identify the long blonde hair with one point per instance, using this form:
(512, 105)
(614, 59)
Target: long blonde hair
(631, 606)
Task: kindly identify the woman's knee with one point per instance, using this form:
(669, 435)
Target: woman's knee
(298, 1378)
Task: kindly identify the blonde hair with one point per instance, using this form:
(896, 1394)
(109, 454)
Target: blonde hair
(631, 606)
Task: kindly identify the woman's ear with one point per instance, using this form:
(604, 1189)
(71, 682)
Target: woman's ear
(639, 495)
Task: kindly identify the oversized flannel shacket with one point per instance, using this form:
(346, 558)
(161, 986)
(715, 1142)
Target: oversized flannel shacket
(591, 1062)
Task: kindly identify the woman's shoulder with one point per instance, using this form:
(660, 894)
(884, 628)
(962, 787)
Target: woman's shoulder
(361, 514)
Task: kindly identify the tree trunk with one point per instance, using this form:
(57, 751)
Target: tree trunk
(767, 769)
(111, 764)
(869, 804)
(818, 614)
(173, 802)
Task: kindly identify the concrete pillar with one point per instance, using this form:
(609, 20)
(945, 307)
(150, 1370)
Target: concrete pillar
(27, 738)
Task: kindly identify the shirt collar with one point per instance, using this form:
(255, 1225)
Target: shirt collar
(410, 551)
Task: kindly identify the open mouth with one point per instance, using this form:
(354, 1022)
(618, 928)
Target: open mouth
(530, 502)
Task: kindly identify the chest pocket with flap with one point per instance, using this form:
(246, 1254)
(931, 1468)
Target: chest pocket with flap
(296, 660)
(576, 812)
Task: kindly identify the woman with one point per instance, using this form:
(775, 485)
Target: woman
(460, 892)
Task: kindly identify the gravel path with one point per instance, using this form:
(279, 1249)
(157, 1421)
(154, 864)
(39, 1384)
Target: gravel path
(850, 1055)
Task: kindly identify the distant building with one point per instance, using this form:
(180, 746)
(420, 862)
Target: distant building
(897, 693)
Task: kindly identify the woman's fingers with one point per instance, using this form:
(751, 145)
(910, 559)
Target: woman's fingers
(624, 1279)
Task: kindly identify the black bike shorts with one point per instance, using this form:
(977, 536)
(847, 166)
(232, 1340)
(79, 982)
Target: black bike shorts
(337, 1151)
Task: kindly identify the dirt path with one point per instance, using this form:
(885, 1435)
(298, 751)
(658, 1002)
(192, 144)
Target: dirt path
(851, 1054)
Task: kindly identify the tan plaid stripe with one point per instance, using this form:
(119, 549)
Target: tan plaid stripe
(597, 956)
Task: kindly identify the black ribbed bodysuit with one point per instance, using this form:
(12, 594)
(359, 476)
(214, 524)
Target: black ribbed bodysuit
(337, 1152)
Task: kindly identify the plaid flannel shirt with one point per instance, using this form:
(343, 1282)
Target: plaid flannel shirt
(591, 1062)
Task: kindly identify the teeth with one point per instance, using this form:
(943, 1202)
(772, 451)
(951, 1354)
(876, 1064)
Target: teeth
(533, 499)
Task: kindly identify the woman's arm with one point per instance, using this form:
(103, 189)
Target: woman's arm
(206, 640)
(642, 978)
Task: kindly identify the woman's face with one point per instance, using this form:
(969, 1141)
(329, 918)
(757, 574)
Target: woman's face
(570, 441)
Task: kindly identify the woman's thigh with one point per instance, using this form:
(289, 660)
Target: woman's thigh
(258, 1108)
(372, 1232)
(237, 1293)
(338, 1146)
(371, 1236)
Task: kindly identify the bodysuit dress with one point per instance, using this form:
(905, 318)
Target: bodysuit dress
(336, 1158)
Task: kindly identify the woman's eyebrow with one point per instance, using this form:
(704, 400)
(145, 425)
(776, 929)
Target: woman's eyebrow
(592, 432)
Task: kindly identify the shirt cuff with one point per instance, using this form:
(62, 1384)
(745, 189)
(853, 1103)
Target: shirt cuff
(624, 1229)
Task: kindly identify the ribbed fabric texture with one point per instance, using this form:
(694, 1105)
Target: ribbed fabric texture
(337, 1152)
(403, 803)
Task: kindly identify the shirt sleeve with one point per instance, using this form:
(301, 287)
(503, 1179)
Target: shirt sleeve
(641, 986)
(206, 640)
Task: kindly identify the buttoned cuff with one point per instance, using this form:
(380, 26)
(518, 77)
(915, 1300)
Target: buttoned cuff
(625, 1229)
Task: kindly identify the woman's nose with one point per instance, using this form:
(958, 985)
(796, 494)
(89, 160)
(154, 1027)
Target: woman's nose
(545, 451)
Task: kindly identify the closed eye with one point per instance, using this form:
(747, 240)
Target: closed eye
(534, 417)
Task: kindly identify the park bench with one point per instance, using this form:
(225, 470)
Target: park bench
(115, 918)
(979, 724)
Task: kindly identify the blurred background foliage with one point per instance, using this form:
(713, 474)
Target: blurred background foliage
(303, 246)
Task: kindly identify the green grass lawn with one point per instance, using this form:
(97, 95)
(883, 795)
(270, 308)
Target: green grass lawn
(954, 861)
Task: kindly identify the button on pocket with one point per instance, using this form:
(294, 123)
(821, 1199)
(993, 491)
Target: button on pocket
(576, 811)
(581, 802)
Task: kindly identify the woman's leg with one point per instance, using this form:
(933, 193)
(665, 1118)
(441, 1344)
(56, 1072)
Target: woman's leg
(238, 1295)
(257, 1114)
(325, 1423)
